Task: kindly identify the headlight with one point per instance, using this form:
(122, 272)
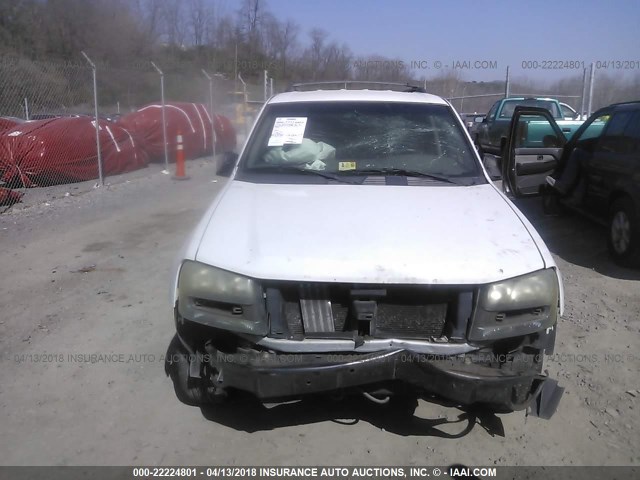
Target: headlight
(529, 291)
(220, 299)
(516, 307)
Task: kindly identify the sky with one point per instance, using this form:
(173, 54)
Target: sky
(503, 32)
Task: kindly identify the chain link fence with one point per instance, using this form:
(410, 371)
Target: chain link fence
(33, 90)
(48, 129)
(49, 134)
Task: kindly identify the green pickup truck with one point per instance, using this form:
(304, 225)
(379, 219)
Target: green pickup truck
(492, 133)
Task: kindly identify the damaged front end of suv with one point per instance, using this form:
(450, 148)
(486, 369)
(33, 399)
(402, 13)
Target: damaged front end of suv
(470, 345)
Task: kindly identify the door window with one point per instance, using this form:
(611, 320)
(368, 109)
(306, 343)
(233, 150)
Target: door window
(595, 128)
(536, 131)
(567, 111)
(614, 140)
(492, 112)
(632, 132)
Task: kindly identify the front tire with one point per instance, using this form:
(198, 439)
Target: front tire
(189, 391)
(624, 231)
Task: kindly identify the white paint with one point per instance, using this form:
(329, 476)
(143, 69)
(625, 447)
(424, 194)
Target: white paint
(93, 122)
(368, 234)
(177, 108)
(207, 114)
(204, 130)
(113, 139)
(357, 95)
(130, 138)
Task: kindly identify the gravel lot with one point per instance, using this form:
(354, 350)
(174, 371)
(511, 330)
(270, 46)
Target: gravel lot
(89, 273)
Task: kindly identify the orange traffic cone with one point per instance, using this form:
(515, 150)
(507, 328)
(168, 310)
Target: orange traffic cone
(180, 165)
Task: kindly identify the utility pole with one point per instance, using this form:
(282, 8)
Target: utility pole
(266, 81)
(213, 130)
(507, 85)
(235, 71)
(97, 119)
(591, 80)
(584, 92)
(164, 119)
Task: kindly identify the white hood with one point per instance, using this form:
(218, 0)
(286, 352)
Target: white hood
(368, 234)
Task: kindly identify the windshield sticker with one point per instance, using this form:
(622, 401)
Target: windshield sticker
(342, 166)
(287, 131)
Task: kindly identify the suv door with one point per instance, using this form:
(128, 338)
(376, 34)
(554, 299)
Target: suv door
(534, 147)
(613, 158)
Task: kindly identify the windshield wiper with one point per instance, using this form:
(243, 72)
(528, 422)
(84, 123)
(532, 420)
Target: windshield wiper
(406, 173)
(307, 171)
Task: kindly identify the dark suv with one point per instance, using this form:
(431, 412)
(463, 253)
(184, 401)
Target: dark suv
(610, 177)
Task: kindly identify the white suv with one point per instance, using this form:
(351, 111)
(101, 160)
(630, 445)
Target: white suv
(359, 245)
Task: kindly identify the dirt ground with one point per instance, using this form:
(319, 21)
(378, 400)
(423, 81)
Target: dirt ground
(89, 273)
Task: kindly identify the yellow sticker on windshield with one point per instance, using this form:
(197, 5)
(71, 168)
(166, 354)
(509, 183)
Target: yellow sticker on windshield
(346, 166)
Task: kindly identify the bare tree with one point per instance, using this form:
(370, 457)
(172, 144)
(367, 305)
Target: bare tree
(149, 16)
(336, 62)
(279, 41)
(199, 18)
(175, 22)
(251, 19)
(17, 18)
(315, 51)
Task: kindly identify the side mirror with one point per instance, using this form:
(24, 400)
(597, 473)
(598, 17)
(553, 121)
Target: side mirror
(484, 120)
(480, 120)
(225, 167)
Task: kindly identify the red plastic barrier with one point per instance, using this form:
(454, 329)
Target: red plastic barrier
(63, 150)
(192, 119)
(9, 197)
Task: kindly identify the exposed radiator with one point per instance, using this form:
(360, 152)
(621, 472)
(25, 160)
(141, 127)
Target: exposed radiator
(375, 311)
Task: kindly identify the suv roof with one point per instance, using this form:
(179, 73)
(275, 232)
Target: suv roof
(529, 98)
(358, 96)
(626, 105)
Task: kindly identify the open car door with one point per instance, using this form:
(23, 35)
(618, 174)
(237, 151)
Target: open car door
(534, 147)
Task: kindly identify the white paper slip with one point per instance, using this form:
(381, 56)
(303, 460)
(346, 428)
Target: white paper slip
(287, 131)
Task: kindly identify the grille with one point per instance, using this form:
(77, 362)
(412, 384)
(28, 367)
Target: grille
(395, 312)
(409, 321)
(293, 316)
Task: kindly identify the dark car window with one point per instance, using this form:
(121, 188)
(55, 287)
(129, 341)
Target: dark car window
(593, 130)
(632, 131)
(509, 107)
(567, 112)
(613, 140)
(633, 127)
(617, 124)
(492, 111)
